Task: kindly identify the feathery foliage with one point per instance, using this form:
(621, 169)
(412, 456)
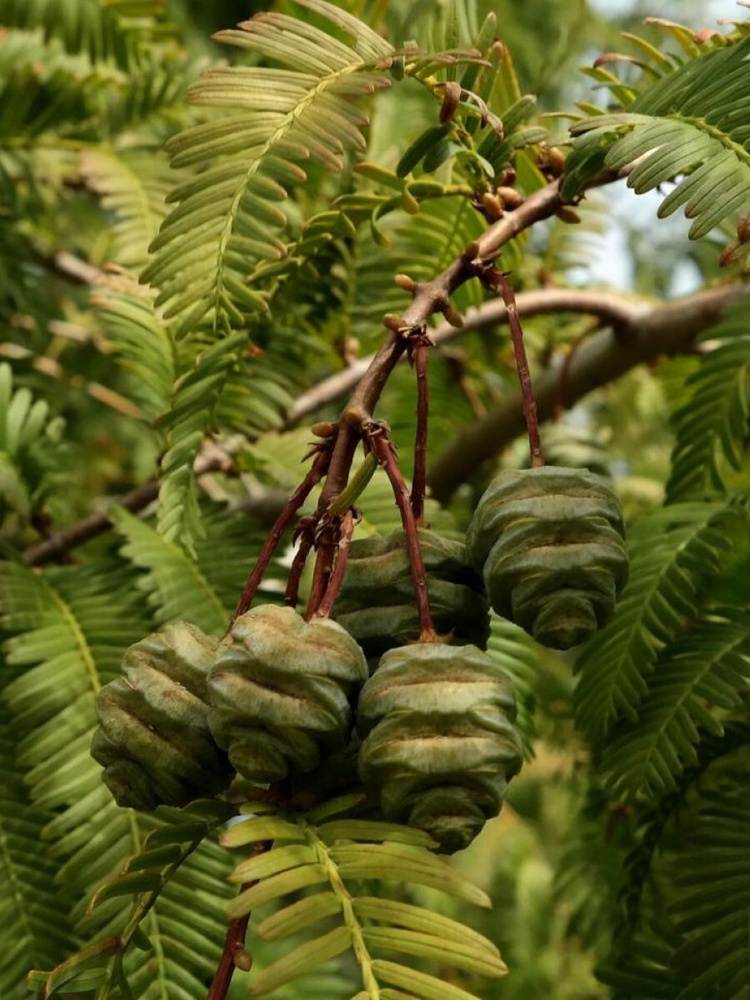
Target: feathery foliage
(225, 219)
(327, 853)
(712, 426)
(110, 30)
(317, 152)
(30, 903)
(702, 673)
(676, 553)
(689, 123)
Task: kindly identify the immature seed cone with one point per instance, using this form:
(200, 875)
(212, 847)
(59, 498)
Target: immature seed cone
(153, 737)
(550, 541)
(280, 692)
(376, 604)
(440, 743)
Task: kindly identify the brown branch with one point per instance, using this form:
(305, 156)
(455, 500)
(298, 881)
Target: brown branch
(428, 298)
(233, 956)
(306, 539)
(314, 475)
(494, 279)
(611, 307)
(326, 541)
(614, 309)
(651, 331)
(419, 478)
(346, 529)
(386, 455)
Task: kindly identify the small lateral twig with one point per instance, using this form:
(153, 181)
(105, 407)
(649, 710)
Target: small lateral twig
(315, 474)
(326, 543)
(381, 444)
(233, 956)
(345, 532)
(419, 479)
(306, 534)
(496, 280)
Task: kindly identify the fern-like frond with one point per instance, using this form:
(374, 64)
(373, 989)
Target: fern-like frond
(259, 393)
(518, 656)
(28, 457)
(692, 124)
(228, 217)
(712, 425)
(202, 590)
(675, 553)
(33, 910)
(140, 340)
(169, 944)
(132, 185)
(327, 851)
(713, 904)
(191, 414)
(706, 668)
(40, 86)
(69, 628)
(103, 29)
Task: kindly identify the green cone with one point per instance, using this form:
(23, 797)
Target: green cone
(280, 692)
(376, 604)
(550, 542)
(440, 744)
(153, 737)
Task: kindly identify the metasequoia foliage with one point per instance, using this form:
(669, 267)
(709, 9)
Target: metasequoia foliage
(345, 187)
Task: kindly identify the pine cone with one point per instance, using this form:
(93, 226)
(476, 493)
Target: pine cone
(376, 604)
(153, 737)
(280, 690)
(440, 742)
(551, 544)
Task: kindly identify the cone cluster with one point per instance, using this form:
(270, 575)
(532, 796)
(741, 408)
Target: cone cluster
(435, 741)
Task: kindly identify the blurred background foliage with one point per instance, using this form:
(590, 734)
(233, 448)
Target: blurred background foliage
(81, 117)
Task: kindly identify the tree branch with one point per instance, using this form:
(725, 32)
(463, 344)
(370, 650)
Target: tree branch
(622, 313)
(638, 338)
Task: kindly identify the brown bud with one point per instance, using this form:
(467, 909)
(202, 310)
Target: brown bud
(452, 315)
(324, 428)
(553, 160)
(509, 196)
(508, 176)
(743, 228)
(392, 322)
(404, 281)
(242, 959)
(471, 250)
(568, 215)
(355, 416)
(493, 207)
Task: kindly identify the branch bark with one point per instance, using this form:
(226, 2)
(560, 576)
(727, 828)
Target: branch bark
(641, 334)
(621, 313)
